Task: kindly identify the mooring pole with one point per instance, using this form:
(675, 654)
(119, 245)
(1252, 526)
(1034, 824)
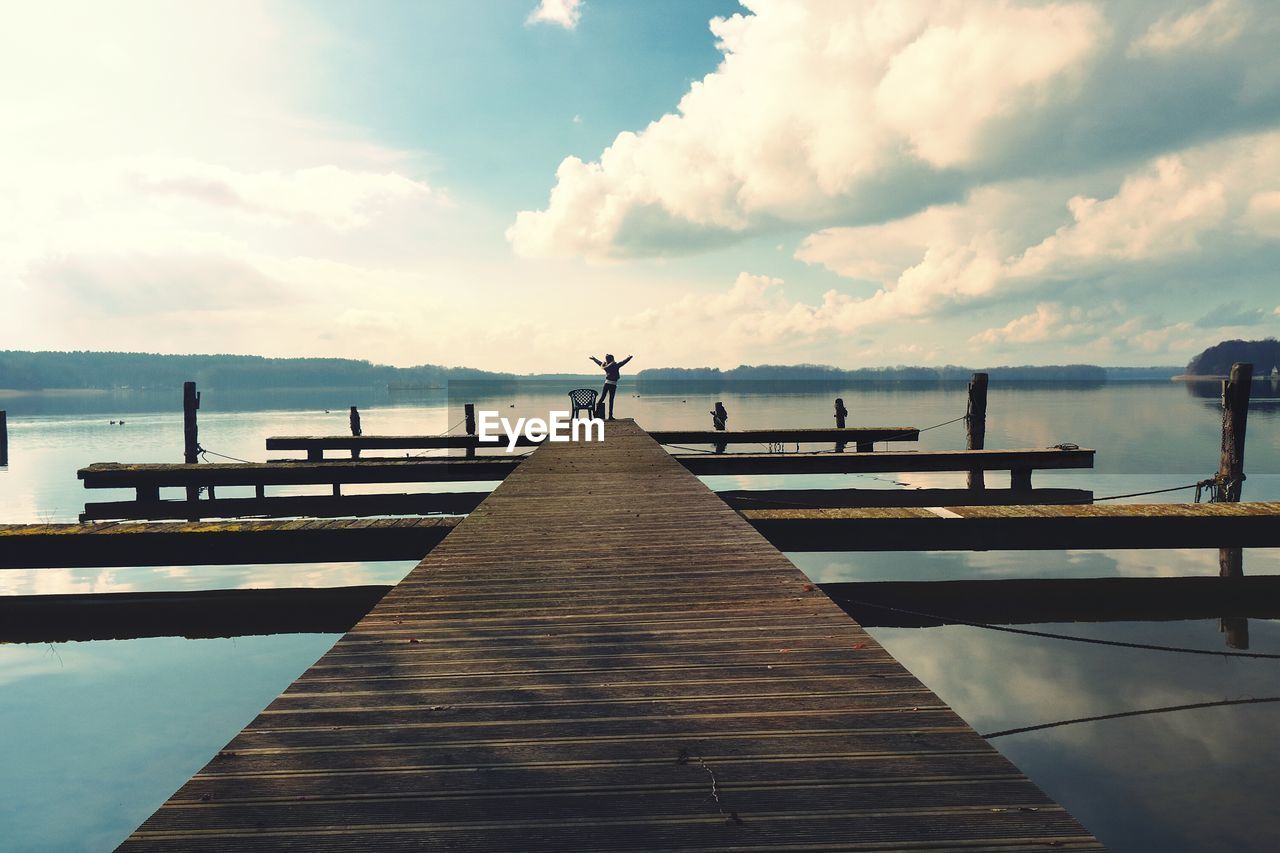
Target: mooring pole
(976, 424)
(841, 414)
(190, 441)
(190, 403)
(1235, 415)
(469, 410)
(355, 430)
(4, 438)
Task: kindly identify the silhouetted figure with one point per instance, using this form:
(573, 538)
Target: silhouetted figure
(719, 420)
(355, 430)
(841, 414)
(612, 371)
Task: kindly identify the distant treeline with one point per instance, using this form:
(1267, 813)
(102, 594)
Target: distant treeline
(1264, 355)
(57, 370)
(826, 373)
(39, 370)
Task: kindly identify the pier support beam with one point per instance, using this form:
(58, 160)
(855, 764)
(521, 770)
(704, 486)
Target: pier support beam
(4, 438)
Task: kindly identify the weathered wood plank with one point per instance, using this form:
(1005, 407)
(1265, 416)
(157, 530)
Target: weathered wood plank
(848, 435)
(421, 503)
(625, 701)
(114, 475)
(830, 498)
(704, 464)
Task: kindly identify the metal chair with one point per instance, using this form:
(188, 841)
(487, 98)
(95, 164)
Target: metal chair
(583, 399)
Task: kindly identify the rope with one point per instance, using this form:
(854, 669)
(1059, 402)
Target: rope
(1165, 710)
(886, 441)
(203, 452)
(1051, 636)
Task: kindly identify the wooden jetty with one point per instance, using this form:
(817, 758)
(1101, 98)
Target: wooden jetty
(979, 528)
(605, 656)
(218, 543)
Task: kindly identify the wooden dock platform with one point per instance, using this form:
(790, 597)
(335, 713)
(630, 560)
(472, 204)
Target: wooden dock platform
(983, 528)
(605, 656)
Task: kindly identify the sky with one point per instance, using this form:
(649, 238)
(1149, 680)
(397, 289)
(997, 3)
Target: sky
(517, 184)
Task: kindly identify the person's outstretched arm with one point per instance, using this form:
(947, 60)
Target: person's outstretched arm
(596, 360)
(624, 361)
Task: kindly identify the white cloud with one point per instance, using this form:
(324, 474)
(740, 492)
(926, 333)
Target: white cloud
(563, 13)
(1210, 26)
(815, 104)
(826, 113)
(328, 195)
(1213, 198)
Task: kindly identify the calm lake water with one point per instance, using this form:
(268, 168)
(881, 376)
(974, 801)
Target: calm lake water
(96, 735)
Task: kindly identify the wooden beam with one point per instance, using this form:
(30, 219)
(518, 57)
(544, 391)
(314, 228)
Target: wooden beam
(863, 435)
(205, 613)
(28, 546)
(289, 506)
(1025, 601)
(114, 475)
(990, 528)
(824, 498)
(885, 462)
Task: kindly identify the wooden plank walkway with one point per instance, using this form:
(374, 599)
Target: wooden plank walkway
(984, 528)
(56, 546)
(604, 656)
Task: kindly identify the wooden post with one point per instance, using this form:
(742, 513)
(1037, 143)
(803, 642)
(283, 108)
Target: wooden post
(191, 443)
(976, 428)
(355, 430)
(1235, 414)
(470, 413)
(4, 438)
(190, 403)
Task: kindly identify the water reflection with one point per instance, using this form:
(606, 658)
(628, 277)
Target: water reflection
(95, 736)
(1181, 781)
